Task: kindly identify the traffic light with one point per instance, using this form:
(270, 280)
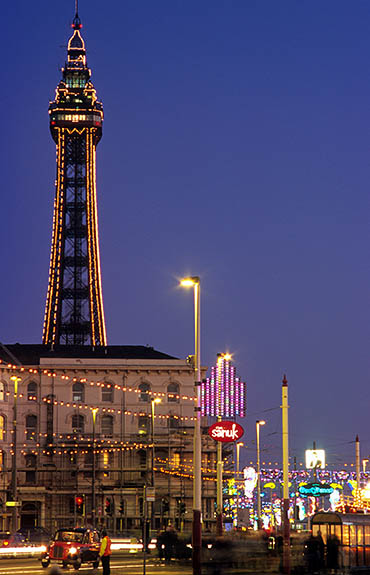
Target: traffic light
(182, 508)
(122, 507)
(108, 506)
(79, 504)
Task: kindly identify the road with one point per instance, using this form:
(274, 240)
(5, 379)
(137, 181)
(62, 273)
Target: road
(119, 565)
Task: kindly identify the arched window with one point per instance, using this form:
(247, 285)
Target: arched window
(144, 389)
(78, 423)
(143, 425)
(107, 425)
(173, 422)
(2, 391)
(107, 393)
(31, 427)
(2, 428)
(32, 391)
(173, 390)
(78, 392)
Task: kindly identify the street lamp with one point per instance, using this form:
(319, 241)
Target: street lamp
(258, 424)
(94, 412)
(194, 282)
(238, 446)
(14, 460)
(154, 401)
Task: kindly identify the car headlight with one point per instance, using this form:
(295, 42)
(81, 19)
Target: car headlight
(43, 548)
(73, 550)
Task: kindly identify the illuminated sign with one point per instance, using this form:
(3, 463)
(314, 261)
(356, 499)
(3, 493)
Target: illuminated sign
(250, 481)
(223, 394)
(315, 458)
(226, 431)
(315, 489)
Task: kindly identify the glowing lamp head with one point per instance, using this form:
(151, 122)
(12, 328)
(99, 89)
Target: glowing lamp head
(190, 281)
(240, 444)
(260, 422)
(156, 400)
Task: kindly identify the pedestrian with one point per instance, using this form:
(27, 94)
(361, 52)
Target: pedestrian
(332, 553)
(105, 552)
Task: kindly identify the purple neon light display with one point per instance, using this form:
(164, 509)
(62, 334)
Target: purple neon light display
(223, 394)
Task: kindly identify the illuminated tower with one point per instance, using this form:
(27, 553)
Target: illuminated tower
(74, 312)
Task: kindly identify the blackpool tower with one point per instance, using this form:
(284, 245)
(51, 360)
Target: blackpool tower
(74, 312)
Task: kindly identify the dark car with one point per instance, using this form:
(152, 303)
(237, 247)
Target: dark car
(35, 535)
(73, 547)
(12, 540)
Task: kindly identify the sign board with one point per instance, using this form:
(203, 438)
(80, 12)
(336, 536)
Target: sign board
(226, 431)
(315, 489)
(315, 458)
(13, 503)
(150, 494)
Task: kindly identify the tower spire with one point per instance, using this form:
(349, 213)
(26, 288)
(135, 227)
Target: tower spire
(76, 25)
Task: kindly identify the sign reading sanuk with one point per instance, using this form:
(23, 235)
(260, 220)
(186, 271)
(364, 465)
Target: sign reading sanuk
(226, 431)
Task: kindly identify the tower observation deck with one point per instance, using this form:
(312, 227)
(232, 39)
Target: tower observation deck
(74, 312)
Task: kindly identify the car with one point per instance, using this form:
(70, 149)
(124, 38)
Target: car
(35, 535)
(12, 540)
(73, 546)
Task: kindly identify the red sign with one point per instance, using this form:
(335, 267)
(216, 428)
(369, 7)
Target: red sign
(226, 431)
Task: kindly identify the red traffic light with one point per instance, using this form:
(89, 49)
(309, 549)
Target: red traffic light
(78, 500)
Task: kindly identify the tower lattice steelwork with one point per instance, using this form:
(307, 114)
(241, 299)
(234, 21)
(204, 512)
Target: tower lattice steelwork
(74, 306)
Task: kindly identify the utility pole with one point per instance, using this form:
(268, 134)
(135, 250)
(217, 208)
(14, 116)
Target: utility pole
(286, 526)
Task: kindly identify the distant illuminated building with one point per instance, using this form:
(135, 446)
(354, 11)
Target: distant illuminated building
(74, 305)
(223, 394)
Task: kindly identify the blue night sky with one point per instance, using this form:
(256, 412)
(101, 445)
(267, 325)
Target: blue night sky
(236, 148)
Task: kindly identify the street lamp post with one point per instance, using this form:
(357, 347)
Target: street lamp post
(258, 424)
(154, 401)
(93, 510)
(14, 459)
(238, 446)
(197, 448)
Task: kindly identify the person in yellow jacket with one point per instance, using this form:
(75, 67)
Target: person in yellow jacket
(105, 552)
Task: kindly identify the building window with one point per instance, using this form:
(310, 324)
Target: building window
(107, 393)
(31, 427)
(2, 460)
(144, 425)
(144, 389)
(89, 457)
(30, 460)
(78, 423)
(78, 392)
(107, 425)
(108, 461)
(2, 428)
(173, 390)
(2, 391)
(173, 422)
(175, 459)
(142, 457)
(32, 391)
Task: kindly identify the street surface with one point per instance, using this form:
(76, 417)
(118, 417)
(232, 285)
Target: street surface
(119, 565)
(124, 565)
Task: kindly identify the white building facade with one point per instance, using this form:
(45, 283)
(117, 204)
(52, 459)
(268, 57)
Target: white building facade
(94, 427)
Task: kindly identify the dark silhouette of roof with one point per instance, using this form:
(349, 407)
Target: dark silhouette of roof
(30, 354)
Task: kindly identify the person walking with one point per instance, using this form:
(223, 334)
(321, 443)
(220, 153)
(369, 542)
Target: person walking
(105, 552)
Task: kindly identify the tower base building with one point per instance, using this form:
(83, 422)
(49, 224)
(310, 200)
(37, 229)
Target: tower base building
(96, 429)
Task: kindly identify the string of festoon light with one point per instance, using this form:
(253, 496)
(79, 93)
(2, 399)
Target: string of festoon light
(91, 383)
(108, 410)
